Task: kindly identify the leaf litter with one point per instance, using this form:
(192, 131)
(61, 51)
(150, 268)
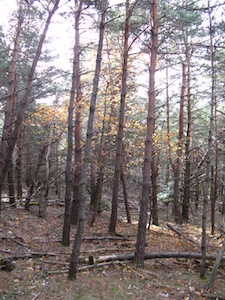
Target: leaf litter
(44, 276)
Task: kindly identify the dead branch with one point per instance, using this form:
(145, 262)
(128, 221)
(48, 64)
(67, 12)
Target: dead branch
(135, 272)
(36, 296)
(27, 255)
(154, 255)
(17, 239)
(181, 234)
(184, 236)
(106, 250)
(213, 296)
(103, 238)
(94, 238)
(122, 257)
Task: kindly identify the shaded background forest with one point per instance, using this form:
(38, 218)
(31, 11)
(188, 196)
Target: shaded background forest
(45, 107)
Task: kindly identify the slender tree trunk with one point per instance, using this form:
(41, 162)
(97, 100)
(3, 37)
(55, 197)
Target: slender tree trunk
(78, 154)
(154, 202)
(93, 185)
(216, 267)
(96, 189)
(197, 193)
(113, 219)
(123, 180)
(11, 185)
(177, 165)
(45, 188)
(58, 172)
(97, 197)
(214, 198)
(11, 103)
(96, 192)
(186, 202)
(18, 169)
(212, 201)
(140, 242)
(80, 230)
(34, 179)
(28, 165)
(6, 149)
(68, 172)
(208, 157)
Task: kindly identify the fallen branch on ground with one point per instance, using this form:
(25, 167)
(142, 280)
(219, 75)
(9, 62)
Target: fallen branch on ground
(184, 236)
(26, 255)
(16, 239)
(121, 257)
(154, 255)
(213, 296)
(90, 238)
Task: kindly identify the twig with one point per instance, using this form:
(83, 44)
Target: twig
(134, 271)
(212, 296)
(36, 296)
(54, 262)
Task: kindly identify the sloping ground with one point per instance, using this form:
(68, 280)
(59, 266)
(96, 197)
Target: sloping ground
(40, 262)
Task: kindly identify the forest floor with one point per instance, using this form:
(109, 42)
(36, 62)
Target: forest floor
(41, 263)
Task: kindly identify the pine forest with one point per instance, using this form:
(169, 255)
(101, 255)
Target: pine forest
(112, 149)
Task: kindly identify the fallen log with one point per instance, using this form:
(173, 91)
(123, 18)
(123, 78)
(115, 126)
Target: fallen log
(26, 255)
(91, 238)
(154, 255)
(121, 257)
(102, 238)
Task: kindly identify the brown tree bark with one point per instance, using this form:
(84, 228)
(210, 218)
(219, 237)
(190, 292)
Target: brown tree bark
(68, 172)
(176, 166)
(123, 180)
(18, 169)
(11, 184)
(28, 165)
(7, 145)
(33, 181)
(140, 242)
(212, 200)
(214, 196)
(186, 200)
(97, 189)
(154, 202)
(97, 197)
(11, 103)
(113, 219)
(208, 156)
(45, 187)
(78, 154)
(80, 230)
